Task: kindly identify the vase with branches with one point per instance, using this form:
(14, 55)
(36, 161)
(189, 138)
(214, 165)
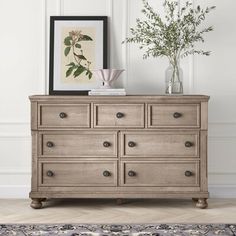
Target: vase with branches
(174, 36)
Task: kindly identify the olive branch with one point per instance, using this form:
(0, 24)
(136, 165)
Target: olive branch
(175, 35)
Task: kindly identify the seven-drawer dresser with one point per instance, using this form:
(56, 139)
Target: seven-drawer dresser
(119, 147)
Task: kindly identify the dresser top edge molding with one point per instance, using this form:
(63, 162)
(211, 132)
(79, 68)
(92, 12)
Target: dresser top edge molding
(152, 98)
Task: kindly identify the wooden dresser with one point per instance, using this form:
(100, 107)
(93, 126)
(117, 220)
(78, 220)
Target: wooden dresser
(119, 147)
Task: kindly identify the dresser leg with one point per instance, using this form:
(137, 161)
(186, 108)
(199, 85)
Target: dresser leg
(202, 203)
(42, 199)
(36, 203)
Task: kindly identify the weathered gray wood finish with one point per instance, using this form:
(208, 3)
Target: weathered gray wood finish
(119, 147)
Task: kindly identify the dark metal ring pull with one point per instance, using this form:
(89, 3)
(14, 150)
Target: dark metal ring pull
(63, 115)
(50, 144)
(177, 115)
(106, 173)
(50, 173)
(188, 144)
(131, 173)
(188, 173)
(131, 144)
(119, 115)
(106, 144)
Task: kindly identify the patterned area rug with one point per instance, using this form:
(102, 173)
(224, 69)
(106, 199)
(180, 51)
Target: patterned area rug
(118, 230)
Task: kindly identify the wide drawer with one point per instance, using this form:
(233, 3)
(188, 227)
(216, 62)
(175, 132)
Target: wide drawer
(83, 173)
(160, 173)
(119, 115)
(66, 115)
(78, 144)
(160, 144)
(176, 115)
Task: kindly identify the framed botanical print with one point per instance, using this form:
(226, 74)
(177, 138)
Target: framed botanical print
(78, 45)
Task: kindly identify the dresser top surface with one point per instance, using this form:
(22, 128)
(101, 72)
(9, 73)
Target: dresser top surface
(150, 98)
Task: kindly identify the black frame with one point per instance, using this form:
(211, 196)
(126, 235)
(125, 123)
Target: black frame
(51, 57)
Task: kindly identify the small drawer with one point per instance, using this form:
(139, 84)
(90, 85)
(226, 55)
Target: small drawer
(64, 116)
(83, 173)
(167, 115)
(119, 115)
(160, 173)
(78, 144)
(160, 144)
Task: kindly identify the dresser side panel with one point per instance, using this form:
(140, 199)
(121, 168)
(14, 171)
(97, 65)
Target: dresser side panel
(203, 161)
(34, 163)
(34, 115)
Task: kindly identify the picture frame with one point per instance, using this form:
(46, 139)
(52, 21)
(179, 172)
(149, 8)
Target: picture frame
(78, 45)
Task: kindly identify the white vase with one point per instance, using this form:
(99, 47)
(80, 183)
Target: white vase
(107, 76)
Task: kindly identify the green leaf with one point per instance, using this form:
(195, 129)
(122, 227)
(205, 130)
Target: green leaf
(66, 51)
(86, 38)
(69, 71)
(77, 45)
(67, 41)
(71, 64)
(79, 71)
(82, 57)
(90, 74)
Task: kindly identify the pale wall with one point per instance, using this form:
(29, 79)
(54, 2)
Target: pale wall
(24, 71)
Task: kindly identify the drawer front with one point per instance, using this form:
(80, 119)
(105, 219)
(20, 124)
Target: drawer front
(68, 115)
(119, 115)
(160, 144)
(82, 144)
(82, 173)
(160, 173)
(165, 115)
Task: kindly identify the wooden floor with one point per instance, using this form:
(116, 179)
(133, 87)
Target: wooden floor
(107, 211)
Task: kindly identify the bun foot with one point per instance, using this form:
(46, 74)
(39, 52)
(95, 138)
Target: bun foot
(202, 203)
(36, 203)
(42, 199)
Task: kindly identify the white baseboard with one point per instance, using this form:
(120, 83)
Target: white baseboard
(222, 191)
(22, 191)
(14, 191)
